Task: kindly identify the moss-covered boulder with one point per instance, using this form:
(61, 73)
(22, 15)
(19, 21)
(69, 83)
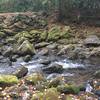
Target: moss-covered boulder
(35, 34)
(6, 80)
(26, 48)
(34, 78)
(68, 89)
(57, 32)
(22, 36)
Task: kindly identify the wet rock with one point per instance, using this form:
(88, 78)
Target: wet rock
(8, 52)
(2, 34)
(97, 74)
(34, 78)
(41, 45)
(27, 58)
(45, 61)
(14, 58)
(8, 80)
(21, 72)
(26, 48)
(92, 40)
(53, 68)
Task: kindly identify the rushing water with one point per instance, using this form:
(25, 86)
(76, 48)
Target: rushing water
(35, 65)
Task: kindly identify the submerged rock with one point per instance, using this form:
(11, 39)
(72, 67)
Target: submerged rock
(6, 80)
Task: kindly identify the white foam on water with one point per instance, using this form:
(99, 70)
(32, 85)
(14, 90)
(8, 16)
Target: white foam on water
(67, 65)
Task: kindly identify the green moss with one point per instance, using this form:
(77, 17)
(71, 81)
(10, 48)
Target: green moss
(51, 94)
(55, 82)
(48, 94)
(37, 96)
(8, 79)
(44, 35)
(34, 78)
(68, 89)
(57, 32)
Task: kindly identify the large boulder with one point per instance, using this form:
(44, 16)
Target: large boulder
(26, 48)
(53, 68)
(21, 72)
(92, 40)
(6, 80)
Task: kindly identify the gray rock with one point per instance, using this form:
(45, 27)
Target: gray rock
(52, 46)
(92, 40)
(45, 61)
(43, 52)
(21, 72)
(8, 52)
(41, 45)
